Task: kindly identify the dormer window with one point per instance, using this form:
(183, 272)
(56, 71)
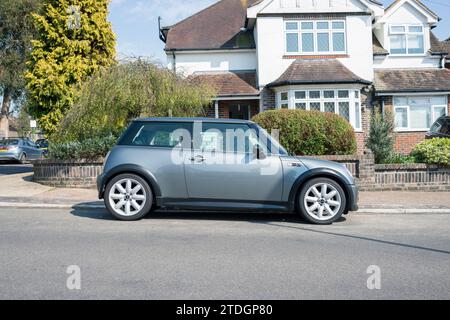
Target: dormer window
(406, 39)
(315, 37)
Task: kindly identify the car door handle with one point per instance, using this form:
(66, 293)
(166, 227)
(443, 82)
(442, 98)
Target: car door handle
(198, 159)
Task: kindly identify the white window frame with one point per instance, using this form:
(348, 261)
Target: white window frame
(408, 112)
(315, 31)
(406, 34)
(352, 99)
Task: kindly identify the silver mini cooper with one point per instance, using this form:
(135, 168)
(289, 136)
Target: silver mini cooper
(218, 164)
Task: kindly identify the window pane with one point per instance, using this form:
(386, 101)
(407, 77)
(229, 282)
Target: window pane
(291, 42)
(401, 118)
(291, 25)
(357, 115)
(329, 94)
(415, 29)
(284, 96)
(420, 117)
(166, 135)
(314, 106)
(415, 44)
(397, 29)
(439, 101)
(300, 94)
(438, 112)
(300, 105)
(322, 25)
(284, 106)
(330, 107)
(398, 44)
(307, 42)
(314, 94)
(344, 110)
(343, 94)
(307, 25)
(356, 94)
(338, 24)
(323, 42)
(338, 41)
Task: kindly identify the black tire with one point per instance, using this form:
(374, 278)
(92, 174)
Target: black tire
(23, 158)
(301, 201)
(146, 206)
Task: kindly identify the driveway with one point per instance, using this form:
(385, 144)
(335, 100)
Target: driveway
(192, 255)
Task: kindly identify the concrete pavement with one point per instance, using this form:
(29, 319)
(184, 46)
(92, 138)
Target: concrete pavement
(191, 255)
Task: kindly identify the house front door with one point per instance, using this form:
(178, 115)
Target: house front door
(239, 111)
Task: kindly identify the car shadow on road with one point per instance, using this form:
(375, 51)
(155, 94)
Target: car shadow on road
(254, 217)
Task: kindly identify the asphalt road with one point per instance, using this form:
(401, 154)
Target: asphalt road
(189, 255)
(7, 168)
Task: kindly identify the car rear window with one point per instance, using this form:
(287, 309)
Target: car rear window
(158, 134)
(9, 142)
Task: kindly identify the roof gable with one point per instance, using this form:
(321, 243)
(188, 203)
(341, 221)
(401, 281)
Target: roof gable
(418, 6)
(216, 27)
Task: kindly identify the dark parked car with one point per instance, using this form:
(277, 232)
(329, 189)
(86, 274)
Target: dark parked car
(19, 149)
(43, 145)
(218, 164)
(440, 129)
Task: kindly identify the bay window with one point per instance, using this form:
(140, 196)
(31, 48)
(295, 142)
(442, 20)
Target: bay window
(315, 37)
(345, 103)
(406, 39)
(418, 113)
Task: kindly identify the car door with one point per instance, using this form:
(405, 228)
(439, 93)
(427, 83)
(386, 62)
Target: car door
(222, 167)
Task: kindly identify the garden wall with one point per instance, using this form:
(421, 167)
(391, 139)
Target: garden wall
(67, 174)
(369, 176)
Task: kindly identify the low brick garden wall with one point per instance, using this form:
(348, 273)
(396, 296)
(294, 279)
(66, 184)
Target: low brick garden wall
(369, 176)
(67, 174)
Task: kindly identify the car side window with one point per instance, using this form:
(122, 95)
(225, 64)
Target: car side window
(436, 127)
(159, 134)
(225, 137)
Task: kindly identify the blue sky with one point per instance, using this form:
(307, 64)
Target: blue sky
(136, 22)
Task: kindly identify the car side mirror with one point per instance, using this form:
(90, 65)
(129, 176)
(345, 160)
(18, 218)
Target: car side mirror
(258, 153)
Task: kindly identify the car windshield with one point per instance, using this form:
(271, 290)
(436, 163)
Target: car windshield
(42, 143)
(9, 142)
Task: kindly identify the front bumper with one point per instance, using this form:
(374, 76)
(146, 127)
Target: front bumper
(100, 186)
(354, 197)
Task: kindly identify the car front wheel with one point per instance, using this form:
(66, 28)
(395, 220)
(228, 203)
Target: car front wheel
(322, 201)
(128, 197)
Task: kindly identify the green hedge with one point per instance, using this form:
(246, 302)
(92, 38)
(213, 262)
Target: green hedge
(310, 132)
(433, 151)
(89, 149)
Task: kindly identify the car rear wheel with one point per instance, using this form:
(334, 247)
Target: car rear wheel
(23, 158)
(128, 197)
(322, 201)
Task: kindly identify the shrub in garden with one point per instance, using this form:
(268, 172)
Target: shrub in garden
(89, 149)
(381, 136)
(310, 132)
(433, 151)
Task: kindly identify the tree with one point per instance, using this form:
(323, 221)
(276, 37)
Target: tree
(112, 97)
(74, 41)
(16, 32)
(381, 135)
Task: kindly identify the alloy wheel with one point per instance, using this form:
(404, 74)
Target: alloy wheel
(322, 201)
(127, 197)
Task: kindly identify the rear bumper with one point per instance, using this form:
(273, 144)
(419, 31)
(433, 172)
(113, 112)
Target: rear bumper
(9, 156)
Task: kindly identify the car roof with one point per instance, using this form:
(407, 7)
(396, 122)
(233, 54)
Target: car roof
(178, 119)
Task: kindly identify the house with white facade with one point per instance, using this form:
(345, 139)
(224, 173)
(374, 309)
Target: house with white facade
(341, 56)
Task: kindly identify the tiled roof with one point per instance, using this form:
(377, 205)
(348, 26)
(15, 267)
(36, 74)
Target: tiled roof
(378, 50)
(216, 27)
(437, 47)
(235, 83)
(446, 46)
(310, 71)
(412, 80)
